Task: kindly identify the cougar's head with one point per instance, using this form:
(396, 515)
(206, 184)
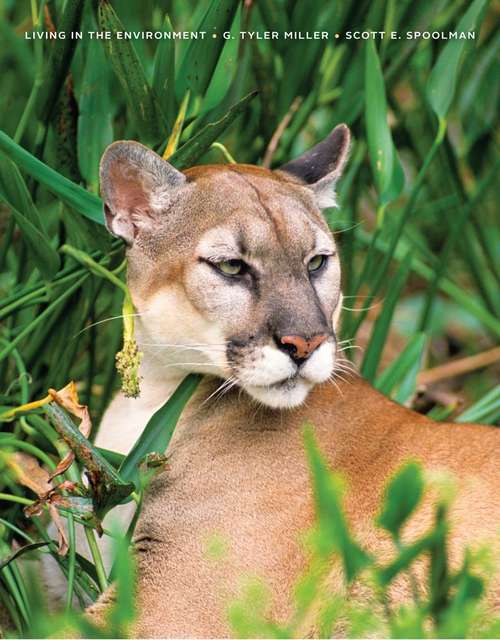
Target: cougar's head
(232, 268)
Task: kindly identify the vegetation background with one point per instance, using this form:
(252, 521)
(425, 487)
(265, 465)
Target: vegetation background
(417, 228)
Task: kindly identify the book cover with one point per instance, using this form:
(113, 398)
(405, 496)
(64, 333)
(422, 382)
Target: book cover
(249, 318)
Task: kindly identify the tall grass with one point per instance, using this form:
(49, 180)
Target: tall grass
(416, 223)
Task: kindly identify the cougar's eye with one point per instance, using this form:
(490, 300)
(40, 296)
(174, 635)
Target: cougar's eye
(316, 263)
(231, 267)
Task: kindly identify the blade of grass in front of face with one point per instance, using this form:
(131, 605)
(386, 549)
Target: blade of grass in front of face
(159, 429)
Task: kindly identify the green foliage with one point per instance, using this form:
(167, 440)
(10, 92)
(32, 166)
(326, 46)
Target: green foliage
(443, 78)
(450, 604)
(62, 278)
(386, 167)
(400, 377)
(402, 498)
(143, 103)
(199, 62)
(69, 192)
(332, 533)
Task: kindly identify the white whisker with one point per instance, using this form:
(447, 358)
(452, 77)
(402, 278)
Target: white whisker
(334, 382)
(221, 390)
(372, 306)
(94, 324)
(184, 347)
(192, 364)
(350, 346)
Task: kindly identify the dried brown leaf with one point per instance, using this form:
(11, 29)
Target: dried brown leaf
(29, 473)
(68, 399)
(61, 532)
(63, 465)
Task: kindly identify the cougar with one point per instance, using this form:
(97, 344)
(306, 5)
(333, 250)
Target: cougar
(235, 274)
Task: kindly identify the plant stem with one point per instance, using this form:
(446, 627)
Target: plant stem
(93, 266)
(71, 562)
(38, 81)
(8, 497)
(229, 158)
(97, 558)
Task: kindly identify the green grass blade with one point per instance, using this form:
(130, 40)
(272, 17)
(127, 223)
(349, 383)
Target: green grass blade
(4, 562)
(226, 68)
(485, 410)
(61, 53)
(453, 236)
(201, 56)
(386, 166)
(333, 530)
(189, 153)
(383, 322)
(159, 430)
(402, 496)
(443, 77)
(15, 191)
(164, 74)
(78, 198)
(95, 119)
(43, 255)
(469, 302)
(27, 218)
(404, 366)
(143, 103)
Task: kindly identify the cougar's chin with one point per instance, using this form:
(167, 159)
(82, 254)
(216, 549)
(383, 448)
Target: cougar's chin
(283, 395)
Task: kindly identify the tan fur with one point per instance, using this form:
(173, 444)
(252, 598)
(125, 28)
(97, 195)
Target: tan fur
(238, 468)
(241, 473)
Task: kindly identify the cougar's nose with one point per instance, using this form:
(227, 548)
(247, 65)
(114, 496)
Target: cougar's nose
(300, 348)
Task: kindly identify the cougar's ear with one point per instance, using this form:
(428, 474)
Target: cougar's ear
(137, 187)
(321, 166)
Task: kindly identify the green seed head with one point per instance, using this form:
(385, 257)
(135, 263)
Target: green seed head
(127, 365)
